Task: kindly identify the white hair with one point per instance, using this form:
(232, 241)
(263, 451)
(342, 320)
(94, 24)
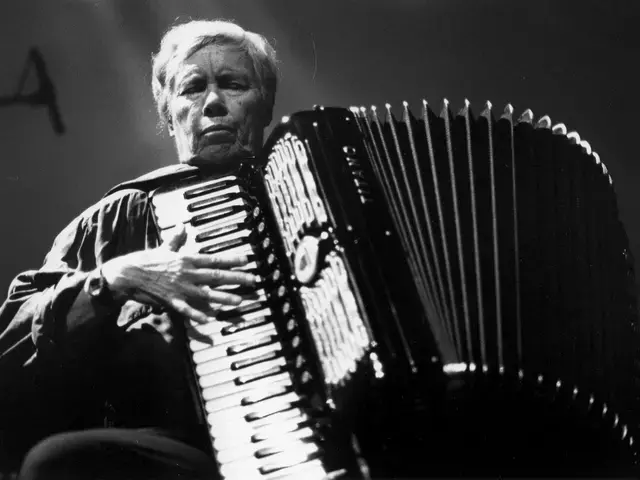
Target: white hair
(183, 40)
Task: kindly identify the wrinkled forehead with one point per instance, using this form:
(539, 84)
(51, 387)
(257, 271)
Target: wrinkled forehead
(209, 56)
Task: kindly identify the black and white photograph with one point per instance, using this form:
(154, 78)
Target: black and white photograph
(319, 240)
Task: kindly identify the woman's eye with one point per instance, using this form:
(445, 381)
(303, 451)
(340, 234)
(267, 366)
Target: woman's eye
(191, 88)
(234, 85)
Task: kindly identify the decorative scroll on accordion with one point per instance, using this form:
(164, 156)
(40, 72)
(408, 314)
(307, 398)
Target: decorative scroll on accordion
(444, 295)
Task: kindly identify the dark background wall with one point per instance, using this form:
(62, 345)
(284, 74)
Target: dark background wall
(577, 61)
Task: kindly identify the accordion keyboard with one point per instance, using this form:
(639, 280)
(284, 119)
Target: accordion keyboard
(257, 422)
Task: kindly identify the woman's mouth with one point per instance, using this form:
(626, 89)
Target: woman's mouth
(218, 133)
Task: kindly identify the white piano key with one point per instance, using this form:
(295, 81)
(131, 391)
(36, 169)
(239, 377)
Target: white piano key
(228, 435)
(245, 447)
(213, 395)
(238, 235)
(239, 222)
(250, 305)
(228, 222)
(288, 421)
(213, 330)
(257, 297)
(248, 309)
(244, 249)
(270, 406)
(215, 400)
(273, 428)
(238, 384)
(210, 236)
(229, 347)
(220, 378)
(199, 345)
(311, 470)
(225, 363)
(230, 439)
(174, 212)
(192, 247)
(308, 471)
(177, 196)
(177, 191)
(229, 318)
(300, 454)
(215, 339)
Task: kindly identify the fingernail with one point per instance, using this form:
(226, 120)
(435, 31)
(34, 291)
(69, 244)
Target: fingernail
(257, 279)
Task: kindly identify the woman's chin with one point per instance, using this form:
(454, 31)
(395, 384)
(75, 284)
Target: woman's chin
(222, 155)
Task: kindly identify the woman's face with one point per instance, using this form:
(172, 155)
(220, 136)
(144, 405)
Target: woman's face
(217, 112)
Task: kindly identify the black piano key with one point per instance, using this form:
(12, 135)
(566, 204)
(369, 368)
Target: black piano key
(244, 379)
(274, 467)
(243, 347)
(211, 202)
(264, 436)
(210, 188)
(255, 360)
(245, 325)
(220, 214)
(218, 232)
(265, 395)
(269, 451)
(255, 416)
(227, 315)
(246, 291)
(221, 247)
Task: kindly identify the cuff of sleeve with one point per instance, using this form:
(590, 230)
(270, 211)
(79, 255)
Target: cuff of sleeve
(49, 324)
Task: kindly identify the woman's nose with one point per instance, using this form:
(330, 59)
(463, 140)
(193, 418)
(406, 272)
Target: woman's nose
(214, 105)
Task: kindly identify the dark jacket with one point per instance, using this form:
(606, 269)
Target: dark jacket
(127, 373)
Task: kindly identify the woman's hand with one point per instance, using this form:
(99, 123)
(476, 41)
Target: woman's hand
(185, 283)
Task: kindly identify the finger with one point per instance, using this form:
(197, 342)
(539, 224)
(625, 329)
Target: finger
(215, 277)
(177, 239)
(219, 261)
(224, 298)
(205, 294)
(183, 308)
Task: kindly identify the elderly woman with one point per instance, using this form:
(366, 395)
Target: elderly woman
(91, 381)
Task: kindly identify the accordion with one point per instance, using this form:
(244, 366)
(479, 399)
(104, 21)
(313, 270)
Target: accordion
(444, 295)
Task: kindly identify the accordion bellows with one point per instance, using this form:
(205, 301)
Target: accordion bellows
(511, 230)
(498, 244)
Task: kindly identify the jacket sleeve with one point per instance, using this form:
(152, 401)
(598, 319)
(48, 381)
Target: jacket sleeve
(33, 318)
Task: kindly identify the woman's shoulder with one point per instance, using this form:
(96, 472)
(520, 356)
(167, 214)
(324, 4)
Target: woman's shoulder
(126, 205)
(152, 180)
(131, 193)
